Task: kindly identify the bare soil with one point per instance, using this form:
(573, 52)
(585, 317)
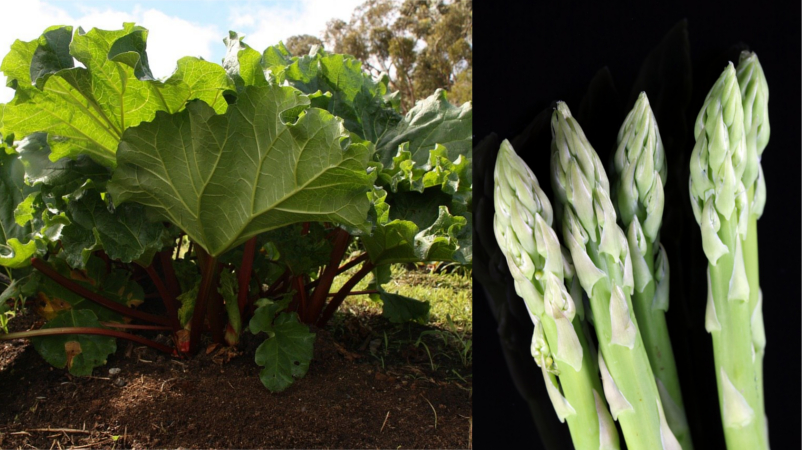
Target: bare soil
(362, 391)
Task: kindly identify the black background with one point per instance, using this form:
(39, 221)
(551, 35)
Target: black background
(529, 54)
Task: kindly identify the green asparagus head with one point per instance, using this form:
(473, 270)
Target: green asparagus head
(581, 185)
(755, 100)
(718, 163)
(640, 168)
(522, 225)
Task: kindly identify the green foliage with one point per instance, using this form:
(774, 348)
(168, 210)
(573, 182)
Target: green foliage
(18, 291)
(269, 161)
(301, 44)
(398, 236)
(425, 45)
(333, 82)
(287, 146)
(124, 232)
(228, 289)
(79, 353)
(432, 121)
(287, 351)
(298, 252)
(16, 246)
(74, 104)
(187, 301)
(400, 309)
(53, 298)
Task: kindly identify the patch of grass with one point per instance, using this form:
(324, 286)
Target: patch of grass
(443, 344)
(449, 295)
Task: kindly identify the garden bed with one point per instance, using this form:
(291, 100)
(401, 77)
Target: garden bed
(367, 387)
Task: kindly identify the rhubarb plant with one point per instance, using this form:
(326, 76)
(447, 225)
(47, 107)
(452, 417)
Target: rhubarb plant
(232, 194)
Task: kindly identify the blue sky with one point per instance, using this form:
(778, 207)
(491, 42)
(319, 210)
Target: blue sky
(177, 27)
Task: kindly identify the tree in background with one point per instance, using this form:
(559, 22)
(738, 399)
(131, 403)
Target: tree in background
(422, 45)
(300, 45)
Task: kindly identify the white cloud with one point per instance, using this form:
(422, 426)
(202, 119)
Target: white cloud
(169, 39)
(267, 25)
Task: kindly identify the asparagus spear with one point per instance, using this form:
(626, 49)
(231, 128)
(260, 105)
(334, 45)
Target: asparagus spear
(719, 161)
(755, 101)
(640, 171)
(522, 225)
(603, 265)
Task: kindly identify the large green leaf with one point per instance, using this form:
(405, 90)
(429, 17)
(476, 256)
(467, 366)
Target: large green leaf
(85, 110)
(205, 81)
(417, 227)
(334, 82)
(430, 122)
(286, 353)
(16, 246)
(425, 164)
(242, 63)
(225, 178)
(300, 252)
(399, 309)
(80, 353)
(60, 178)
(124, 233)
(453, 177)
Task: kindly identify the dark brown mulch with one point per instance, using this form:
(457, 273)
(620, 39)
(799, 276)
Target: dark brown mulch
(349, 399)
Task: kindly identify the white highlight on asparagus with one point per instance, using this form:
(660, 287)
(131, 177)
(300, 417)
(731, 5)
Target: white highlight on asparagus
(737, 412)
(711, 318)
(624, 331)
(618, 403)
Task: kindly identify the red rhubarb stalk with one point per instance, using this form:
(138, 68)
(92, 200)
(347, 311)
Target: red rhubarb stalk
(208, 282)
(303, 308)
(371, 291)
(341, 239)
(342, 268)
(338, 298)
(88, 330)
(128, 326)
(244, 275)
(166, 259)
(214, 313)
(167, 297)
(43, 267)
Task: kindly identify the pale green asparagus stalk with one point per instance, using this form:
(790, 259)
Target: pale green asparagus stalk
(522, 225)
(719, 162)
(603, 265)
(640, 173)
(755, 101)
